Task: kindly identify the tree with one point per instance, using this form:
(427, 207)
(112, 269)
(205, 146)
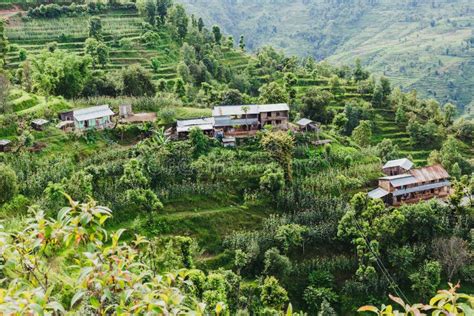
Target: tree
(290, 235)
(336, 86)
(95, 28)
(276, 264)
(272, 294)
(98, 51)
(386, 150)
(162, 7)
(280, 146)
(60, 73)
(453, 254)
(272, 93)
(79, 186)
(449, 113)
(359, 73)
(150, 9)
(180, 21)
(427, 279)
(199, 141)
(179, 88)
(3, 44)
(316, 296)
(4, 91)
(242, 43)
(8, 183)
(200, 24)
(272, 180)
(137, 81)
(362, 134)
(155, 64)
(231, 97)
(315, 103)
(216, 31)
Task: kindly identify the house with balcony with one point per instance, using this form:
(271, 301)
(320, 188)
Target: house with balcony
(413, 186)
(246, 120)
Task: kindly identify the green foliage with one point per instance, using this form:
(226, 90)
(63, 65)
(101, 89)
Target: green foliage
(315, 103)
(362, 133)
(136, 81)
(272, 93)
(199, 141)
(280, 146)
(273, 295)
(8, 183)
(427, 279)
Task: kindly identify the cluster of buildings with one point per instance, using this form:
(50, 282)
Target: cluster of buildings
(235, 121)
(404, 184)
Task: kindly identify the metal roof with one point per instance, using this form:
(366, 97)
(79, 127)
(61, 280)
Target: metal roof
(4, 142)
(422, 188)
(404, 163)
(92, 113)
(398, 176)
(427, 174)
(204, 123)
(403, 181)
(377, 193)
(252, 109)
(40, 121)
(227, 121)
(304, 122)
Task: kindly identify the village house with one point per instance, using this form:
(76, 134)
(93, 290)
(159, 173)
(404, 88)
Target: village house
(396, 167)
(307, 125)
(39, 124)
(246, 120)
(206, 124)
(413, 185)
(4, 145)
(96, 117)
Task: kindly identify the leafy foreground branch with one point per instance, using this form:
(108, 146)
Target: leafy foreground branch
(446, 302)
(70, 265)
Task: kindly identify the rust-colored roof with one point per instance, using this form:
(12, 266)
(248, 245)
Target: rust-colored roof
(430, 173)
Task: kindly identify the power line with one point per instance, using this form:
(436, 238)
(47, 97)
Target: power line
(382, 267)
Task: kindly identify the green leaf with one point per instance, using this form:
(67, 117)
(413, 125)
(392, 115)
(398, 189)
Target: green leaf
(77, 297)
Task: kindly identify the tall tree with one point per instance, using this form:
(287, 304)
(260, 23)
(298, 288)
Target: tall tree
(216, 31)
(95, 28)
(150, 9)
(137, 81)
(179, 19)
(3, 43)
(242, 42)
(8, 183)
(315, 103)
(200, 24)
(162, 7)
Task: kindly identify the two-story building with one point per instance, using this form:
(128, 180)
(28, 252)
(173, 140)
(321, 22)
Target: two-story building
(413, 185)
(246, 120)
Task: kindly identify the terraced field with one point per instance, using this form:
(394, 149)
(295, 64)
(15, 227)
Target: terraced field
(121, 30)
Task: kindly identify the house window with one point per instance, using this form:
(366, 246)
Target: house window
(86, 124)
(277, 114)
(278, 122)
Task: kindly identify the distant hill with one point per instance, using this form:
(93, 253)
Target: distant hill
(426, 45)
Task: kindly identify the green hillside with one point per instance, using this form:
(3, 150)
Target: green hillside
(423, 45)
(134, 218)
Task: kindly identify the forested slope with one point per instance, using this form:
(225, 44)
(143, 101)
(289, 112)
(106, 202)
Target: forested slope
(423, 45)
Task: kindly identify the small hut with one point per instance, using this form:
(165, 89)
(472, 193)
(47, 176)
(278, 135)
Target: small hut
(125, 110)
(39, 124)
(306, 125)
(4, 145)
(67, 116)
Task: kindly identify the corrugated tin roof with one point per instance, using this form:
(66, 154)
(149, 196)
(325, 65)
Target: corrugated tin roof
(196, 121)
(92, 113)
(426, 174)
(4, 142)
(398, 176)
(252, 109)
(304, 122)
(422, 188)
(204, 123)
(403, 181)
(40, 121)
(377, 193)
(227, 121)
(404, 163)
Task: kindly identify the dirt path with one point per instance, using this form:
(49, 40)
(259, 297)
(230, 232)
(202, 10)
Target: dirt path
(7, 13)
